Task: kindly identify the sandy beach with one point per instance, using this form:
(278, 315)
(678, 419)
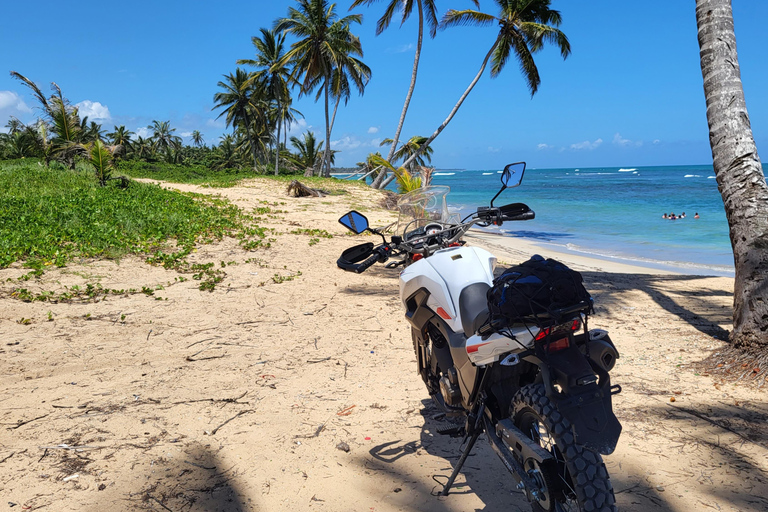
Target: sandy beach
(293, 386)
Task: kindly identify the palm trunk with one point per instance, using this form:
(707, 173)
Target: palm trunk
(335, 109)
(440, 128)
(377, 183)
(739, 174)
(249, 129)
(277, 143)
(326, 171)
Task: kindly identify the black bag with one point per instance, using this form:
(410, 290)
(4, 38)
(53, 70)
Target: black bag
(535, 287)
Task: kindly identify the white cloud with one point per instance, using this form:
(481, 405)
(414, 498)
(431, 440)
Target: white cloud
(94, 110)
(373, 129)
(401, 49)
(656, 141)
(621, 141)
(587, 145)
(544, 147)
(376, 142)
(10, 100)
(186, 134)
(346, 143)
(216, 123)
(143, 132)
(297, 128)
(493, 150)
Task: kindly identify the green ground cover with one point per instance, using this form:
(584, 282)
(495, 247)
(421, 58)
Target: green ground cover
(176, 173)
(51, 215)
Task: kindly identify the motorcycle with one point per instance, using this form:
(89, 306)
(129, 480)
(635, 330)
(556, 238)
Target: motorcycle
(536, 383)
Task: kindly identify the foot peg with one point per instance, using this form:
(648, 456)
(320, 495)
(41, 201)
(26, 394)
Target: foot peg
(450, 429)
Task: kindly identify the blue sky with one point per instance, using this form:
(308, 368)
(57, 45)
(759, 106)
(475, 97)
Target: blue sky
(630, 94)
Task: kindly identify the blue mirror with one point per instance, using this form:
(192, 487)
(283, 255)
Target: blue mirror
(355, 222)
(513, 175)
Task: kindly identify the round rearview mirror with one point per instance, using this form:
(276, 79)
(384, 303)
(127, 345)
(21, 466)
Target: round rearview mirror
(513, 175)
(355, 222)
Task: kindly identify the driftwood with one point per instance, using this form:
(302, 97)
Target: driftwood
(298, 189)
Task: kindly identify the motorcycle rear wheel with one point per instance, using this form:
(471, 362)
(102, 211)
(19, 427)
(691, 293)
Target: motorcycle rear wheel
(583, 479)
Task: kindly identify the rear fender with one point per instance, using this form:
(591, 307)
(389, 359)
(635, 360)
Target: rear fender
(570, 383)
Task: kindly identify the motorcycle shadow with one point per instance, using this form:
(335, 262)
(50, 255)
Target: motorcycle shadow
(482, 478)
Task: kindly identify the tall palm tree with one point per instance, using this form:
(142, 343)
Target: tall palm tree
(738, 171)
(242, 105)
(120, 136)
(324, 43)
(197, 139)
(163, 136)
(425, 8)
(524, 27)
(273, 75)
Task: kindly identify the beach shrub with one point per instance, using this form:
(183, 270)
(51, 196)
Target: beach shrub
(50, 216)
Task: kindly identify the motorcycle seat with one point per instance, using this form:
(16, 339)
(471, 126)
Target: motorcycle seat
(473, 307)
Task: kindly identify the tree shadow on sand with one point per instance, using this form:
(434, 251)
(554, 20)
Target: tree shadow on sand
(722, 447)
(699, 304)
(195, 480)
(698, 486)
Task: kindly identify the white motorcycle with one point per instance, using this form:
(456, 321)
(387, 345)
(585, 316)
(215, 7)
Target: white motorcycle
(511, 356)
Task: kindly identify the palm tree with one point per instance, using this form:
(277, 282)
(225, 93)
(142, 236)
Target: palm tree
(197, 139)
(14, 125)
(142, 148)
(738, 171)
(524, 27)
(413, 146)
(163, 137)
(67, 135)
(121, 136)
(407, 181)
(324, 43)
(308, 153)
(242, 105)
(424, 7)
(273, 75)
(226, 155)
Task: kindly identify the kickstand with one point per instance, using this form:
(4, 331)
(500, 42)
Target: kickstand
(462, 459)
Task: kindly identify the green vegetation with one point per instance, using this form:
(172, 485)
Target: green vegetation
(50, 216)
(179, 173)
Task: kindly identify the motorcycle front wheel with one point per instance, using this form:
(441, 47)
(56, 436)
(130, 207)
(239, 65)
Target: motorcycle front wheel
(582, 482)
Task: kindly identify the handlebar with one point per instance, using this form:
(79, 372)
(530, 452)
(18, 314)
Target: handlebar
(360, 258)
(350, 257)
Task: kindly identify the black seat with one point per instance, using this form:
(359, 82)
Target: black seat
(473, 307)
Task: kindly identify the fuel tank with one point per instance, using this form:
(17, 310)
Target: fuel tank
(444, 275)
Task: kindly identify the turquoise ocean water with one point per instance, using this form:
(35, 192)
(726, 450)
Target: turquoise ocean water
(613, 212)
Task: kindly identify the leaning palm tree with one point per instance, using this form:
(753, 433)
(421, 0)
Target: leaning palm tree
(242, 104)
(272, 75)
(524, 27)
(413, 146)
(64, 121)
(324, 43)
(424, 7)
(739, 173)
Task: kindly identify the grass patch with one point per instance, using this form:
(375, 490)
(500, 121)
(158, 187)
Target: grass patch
(192, 174)
(50, 216)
